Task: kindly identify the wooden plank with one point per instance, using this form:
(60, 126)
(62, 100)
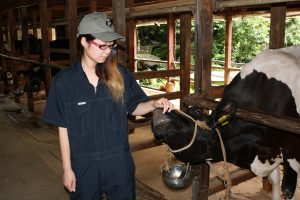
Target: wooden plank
(162, 8)
(185, 55)
(72, 28)
(220, 4)
(288, 124)
(277, 27)
(156, 74)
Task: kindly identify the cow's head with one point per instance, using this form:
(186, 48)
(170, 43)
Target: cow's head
(177, 130)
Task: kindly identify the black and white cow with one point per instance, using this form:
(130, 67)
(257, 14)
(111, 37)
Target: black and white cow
(269, 83)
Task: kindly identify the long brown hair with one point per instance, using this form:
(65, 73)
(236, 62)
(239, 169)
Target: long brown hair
(107, 71)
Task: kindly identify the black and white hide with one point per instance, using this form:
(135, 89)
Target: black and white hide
(270, 83)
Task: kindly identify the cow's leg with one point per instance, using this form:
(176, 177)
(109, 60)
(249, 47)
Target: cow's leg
(289, 179)
(274, 178)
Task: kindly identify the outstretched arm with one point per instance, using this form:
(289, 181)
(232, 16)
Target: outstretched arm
(148, 106)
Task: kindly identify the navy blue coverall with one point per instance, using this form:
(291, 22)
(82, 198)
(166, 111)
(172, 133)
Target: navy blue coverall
(97, 131)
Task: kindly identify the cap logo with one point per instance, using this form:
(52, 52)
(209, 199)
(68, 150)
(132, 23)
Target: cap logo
(108, 22)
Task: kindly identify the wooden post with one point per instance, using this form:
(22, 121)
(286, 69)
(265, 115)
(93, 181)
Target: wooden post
(24, 26)
(93, 5)
(203, 38)
(131, 40)
(228, 47)
(34, 22)
(4, 65)
(185, 56)
(119, 21)
(200, 183)
(45, 42)
(2, 68)
(12, 37)
(277, 35)
(49, 27)
(277, 27)
(171, 40)
(72, 27)
(26, 50)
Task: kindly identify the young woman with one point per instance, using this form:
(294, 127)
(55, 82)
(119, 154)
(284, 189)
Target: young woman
(89, 103)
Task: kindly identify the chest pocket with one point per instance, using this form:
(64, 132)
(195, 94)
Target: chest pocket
(115, 115)
(78, 118)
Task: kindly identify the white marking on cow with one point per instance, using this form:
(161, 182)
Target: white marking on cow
(295, 165)
(264, 169)
(282, 64)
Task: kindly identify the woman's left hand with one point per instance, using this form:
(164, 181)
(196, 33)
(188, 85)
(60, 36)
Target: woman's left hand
(163, 103)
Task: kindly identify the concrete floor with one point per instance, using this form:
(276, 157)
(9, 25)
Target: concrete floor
(30, 168)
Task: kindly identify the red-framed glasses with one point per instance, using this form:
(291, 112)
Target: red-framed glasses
(103, 47)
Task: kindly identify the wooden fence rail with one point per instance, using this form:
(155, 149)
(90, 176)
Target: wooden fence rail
(279, 122)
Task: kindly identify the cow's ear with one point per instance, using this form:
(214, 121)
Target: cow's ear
(196, 113)
(228, 108)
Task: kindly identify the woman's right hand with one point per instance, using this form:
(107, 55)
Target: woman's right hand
(69, 180)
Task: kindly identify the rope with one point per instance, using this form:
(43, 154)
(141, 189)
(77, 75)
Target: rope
(201, 124)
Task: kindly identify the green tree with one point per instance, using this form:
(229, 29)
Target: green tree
(292, 30)
(250, 35)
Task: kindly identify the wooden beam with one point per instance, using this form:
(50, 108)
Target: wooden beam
(277, 27)
(24, 26)
(156, 74)
(12, 37)
(185, 54)
(220, 4)
(93, 5)
(120, 26)
(171, 56)
(288, 124)
(228, 47)
(132, 44)
(45, 41)
(34, 24)
(204, 19)
(176, 6)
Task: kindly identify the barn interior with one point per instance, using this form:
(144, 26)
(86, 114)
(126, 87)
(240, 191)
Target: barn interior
(30, 149)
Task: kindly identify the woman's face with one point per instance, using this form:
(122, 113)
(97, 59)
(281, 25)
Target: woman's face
(98, 50)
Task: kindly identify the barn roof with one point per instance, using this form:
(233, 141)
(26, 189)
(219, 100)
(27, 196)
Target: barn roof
(58, 6)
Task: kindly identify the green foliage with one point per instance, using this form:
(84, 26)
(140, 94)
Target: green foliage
(292, 31)
(250, 35)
